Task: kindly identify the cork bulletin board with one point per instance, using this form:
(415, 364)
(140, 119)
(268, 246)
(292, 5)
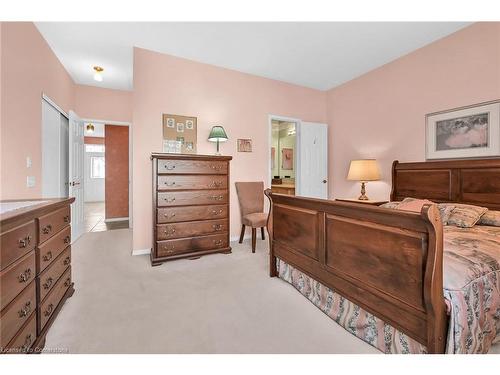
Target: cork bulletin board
(182, 129)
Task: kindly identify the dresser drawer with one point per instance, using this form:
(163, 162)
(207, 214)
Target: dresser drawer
(193, 229)
(176, 182)
(48, 278)
(16, 314)
(49, 305)
(188, 245)
(176, 214)
(192, 167)
(52, 223)
(17, 242)
(16, 277)
(47, 252)
(186, 198)
(25, 338)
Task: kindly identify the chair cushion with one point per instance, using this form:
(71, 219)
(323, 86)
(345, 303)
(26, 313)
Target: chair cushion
(255, 220)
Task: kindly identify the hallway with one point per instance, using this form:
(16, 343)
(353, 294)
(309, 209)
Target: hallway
(95, 219)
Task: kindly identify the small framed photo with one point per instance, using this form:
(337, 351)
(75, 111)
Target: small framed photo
(172, 147)
(180, 127)
(467, 132)
(189, 124)
(244, 145)
(170, 122)
(181, 140)
(189, 146)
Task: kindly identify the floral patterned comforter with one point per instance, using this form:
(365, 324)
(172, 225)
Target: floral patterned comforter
(471, 288)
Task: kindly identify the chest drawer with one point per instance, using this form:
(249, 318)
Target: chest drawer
(176, 214)
(49, 305)
(176, 182)
(188, 245)
(17, 313)
(25, 338)
(50, 250)
(48, 278)
(193, 229)
(16, 277)
(17, 242)
(192, 167)
(186, 198)
(52, 223)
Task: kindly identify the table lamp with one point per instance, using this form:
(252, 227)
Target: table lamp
(217, 134)
(363, 170)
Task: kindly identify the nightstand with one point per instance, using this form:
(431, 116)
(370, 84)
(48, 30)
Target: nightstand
(370, 202)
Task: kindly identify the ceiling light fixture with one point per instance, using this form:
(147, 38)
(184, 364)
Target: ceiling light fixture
(90, 127)
(98, 73)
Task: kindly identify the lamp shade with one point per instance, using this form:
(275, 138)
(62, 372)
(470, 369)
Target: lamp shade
(217, 134)
(364, 170)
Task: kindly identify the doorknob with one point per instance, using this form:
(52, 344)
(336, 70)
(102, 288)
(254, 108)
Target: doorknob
(324, 181)
(74, 183)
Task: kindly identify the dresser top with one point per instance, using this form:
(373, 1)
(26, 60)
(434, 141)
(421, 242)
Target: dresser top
(164, 155)
(27, 209)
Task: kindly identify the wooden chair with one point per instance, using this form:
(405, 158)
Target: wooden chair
(251, 198)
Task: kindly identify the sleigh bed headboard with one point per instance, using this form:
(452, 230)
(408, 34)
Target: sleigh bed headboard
(474, 182)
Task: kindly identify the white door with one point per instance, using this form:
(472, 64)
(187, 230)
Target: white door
(312, 160)
(76, 174)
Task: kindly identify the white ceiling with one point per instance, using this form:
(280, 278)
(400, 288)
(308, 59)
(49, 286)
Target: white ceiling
(319, 55)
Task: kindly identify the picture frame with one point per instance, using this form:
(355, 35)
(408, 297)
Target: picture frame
(244, 145)
(465, 132)
(182, 130)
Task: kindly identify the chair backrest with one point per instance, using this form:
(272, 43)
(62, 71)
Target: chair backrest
(251, 197)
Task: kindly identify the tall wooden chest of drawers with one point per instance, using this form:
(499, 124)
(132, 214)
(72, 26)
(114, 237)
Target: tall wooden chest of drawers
(35, 272)
(190, 206)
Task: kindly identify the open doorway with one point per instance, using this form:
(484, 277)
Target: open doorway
(106, 182)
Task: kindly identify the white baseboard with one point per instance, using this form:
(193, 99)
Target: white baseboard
(141, 252)
(115, 219)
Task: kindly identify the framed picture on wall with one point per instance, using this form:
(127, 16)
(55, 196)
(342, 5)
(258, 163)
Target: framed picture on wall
(467, 132)
(287, 158)
(182, 130)
(244, 145)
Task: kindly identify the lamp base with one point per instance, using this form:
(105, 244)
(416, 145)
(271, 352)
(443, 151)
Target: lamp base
(363, 196)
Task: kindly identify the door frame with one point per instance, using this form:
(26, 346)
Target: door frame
(130, 172)
(296, 158)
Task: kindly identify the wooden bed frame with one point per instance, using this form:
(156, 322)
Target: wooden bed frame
(388, 262)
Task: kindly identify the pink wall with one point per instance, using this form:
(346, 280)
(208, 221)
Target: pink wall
(103, 104)
(239, 102)
(29, 68)
(382, 113)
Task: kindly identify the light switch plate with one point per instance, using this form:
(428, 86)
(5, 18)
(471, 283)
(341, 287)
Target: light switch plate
(30, 181)
(28, 162)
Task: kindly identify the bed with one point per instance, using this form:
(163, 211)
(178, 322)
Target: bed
(379, 272)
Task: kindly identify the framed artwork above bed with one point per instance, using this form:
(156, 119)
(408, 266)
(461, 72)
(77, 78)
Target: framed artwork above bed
(467, 132)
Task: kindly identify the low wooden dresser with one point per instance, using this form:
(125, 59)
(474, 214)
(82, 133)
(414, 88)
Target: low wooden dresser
(190, 206)
(35, 271)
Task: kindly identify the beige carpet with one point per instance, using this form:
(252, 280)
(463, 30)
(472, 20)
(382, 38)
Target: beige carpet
(216, 304)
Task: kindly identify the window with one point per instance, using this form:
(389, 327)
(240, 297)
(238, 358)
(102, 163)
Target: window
(97, 167)
(94, 148)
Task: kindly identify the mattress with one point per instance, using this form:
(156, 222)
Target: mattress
(471, 288)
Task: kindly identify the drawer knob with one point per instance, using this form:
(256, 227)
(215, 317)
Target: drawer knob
(169, 200)
(169, 166)
(169, 183)
(49, 310)
(216, 212)
(25, 241)
(217, 227)
(218, 242)
(171, 215)
(169, 231)
(67, 282)
(217, 197)
(67, 239)
(48, 283)
(47, 229)
(215, 184)
(27, 343)
(170, 250)
(25, 310)
(66, 218)
(47, 256)
(25, 276)
(67, 261)
(216, 166)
